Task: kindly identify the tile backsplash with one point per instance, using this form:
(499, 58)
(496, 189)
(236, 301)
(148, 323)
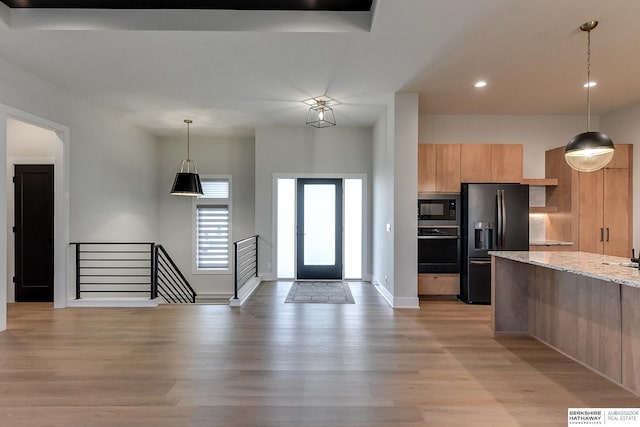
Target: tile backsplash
(537, 197)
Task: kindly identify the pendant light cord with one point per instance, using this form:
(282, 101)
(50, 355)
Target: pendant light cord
(589, 81)
(188, 158)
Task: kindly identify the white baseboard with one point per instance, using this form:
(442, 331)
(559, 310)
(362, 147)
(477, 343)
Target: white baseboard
(406, 302)
(395, 302)
(113, 302)
(245, 292)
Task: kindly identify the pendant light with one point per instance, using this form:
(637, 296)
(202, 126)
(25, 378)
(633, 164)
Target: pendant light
(187, 182)
(321, 115)
(589, 151)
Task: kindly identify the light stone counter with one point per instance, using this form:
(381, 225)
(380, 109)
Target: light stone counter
(549, 243)
(602, 267)
(585, 305)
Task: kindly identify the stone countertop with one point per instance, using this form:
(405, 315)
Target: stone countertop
(549, 243)
(602, 267)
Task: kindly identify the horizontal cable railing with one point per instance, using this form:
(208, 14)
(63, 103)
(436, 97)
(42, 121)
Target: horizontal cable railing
(108, 268)
(170, 283)
(129, 269)
(246, 262)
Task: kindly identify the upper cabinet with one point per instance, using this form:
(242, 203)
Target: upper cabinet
(438, 168)
(506, 162)
(442, 167)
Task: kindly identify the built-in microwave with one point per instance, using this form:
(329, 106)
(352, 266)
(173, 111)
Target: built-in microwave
(439, 209)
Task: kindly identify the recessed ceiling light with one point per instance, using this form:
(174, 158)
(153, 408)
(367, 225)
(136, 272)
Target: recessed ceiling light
(589, 84)
(481, 83)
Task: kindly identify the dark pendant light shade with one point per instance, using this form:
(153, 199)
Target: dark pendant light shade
(589, 151)
(187, 181)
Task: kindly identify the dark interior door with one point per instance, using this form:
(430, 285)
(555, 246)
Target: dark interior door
(34, 232)
(319, 229)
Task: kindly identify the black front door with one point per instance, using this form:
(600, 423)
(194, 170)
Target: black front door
(319, 231)
(34, 232)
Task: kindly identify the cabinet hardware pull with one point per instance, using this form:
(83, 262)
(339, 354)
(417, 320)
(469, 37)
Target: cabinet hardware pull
(601, 234)
(607, 234)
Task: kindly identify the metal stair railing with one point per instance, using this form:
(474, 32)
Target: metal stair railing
(169, 282)
(129, 269)
(246, 262)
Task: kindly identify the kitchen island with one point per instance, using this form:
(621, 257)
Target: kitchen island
(584, 305)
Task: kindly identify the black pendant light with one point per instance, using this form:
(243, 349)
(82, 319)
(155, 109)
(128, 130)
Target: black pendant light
(589, 151)
(187, 182)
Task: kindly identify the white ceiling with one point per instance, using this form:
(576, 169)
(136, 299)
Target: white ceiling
(531, 53)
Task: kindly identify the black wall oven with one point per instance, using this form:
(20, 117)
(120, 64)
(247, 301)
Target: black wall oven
(439, 240)
(439, 249)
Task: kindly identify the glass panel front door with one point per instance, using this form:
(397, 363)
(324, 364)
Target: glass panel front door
(319, 233)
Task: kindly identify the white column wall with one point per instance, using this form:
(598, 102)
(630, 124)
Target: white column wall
(405, 189)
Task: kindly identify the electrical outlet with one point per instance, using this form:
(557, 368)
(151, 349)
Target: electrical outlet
(386, 281)
(388, 228)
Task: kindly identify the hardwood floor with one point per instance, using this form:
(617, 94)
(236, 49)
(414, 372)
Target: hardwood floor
(275, 364)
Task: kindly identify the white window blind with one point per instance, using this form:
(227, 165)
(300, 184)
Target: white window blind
(212, 237)
(215, 189)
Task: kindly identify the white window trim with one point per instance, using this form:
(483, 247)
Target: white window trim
(194, 227)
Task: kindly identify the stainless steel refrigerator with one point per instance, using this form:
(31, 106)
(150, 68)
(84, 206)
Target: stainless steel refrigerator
(494, 217)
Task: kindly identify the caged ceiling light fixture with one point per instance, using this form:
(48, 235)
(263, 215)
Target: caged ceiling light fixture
(320, 113)
(589, 151)
(187, 182)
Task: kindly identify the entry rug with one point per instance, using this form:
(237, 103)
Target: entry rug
(320, 293)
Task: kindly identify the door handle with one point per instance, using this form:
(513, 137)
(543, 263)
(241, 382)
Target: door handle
(601, 234)
(437, 237)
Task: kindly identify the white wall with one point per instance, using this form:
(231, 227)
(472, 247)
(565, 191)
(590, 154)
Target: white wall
(301, 151)
(382, 259)
(112, 189)
(405, 190)
(536, 133)
(623, 126)
(26, 144)
(235, 157)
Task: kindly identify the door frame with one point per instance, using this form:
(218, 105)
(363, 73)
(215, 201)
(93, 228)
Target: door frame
(366, 250)
(61, 205)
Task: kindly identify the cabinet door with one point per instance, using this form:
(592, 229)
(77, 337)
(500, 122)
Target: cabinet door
(475, 163)
(591, 214)
(621, 157)
(506, 163)
(448, 168)
(426, 168)
(617, 208)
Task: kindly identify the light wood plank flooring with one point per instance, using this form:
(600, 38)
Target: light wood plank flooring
(275, 364)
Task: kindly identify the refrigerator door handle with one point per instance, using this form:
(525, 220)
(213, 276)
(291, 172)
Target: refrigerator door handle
(504, 219)
(499, 227)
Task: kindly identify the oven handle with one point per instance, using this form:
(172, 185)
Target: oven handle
(480, 262)
(438, 237)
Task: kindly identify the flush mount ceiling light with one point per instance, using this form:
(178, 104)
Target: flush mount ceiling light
(589, 151)
(320, 112)
(187, 182)
(480, 84)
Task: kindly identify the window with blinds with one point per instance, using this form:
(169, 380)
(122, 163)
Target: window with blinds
(212, 217)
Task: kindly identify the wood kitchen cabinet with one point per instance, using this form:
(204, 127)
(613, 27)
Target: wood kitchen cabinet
(593, 209)
(605, 212)
(439, 284)
(438, 168)
(491, 162)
